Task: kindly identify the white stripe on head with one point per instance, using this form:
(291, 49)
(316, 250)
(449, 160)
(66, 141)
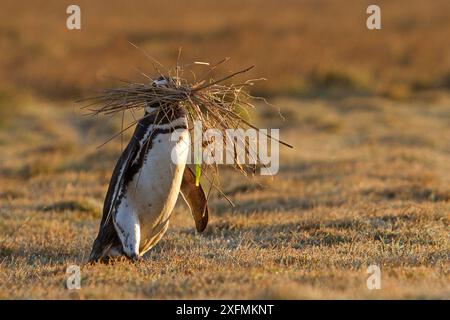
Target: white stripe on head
(160, 82)
(149, 109)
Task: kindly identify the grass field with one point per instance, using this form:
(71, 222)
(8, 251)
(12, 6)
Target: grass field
(368, 181)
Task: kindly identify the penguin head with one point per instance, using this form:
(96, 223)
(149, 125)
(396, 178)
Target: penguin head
(159, 82)
(162, 81)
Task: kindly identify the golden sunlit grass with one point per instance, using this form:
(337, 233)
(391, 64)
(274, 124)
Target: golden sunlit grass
(367, 183)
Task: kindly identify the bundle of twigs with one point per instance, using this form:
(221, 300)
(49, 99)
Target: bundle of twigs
(215, 103)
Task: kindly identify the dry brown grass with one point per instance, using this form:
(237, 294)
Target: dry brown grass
(367, 183)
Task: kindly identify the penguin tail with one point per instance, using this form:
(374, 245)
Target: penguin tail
(106, 245)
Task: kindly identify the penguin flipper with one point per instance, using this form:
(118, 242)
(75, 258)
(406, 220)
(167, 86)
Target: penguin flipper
(195, 199)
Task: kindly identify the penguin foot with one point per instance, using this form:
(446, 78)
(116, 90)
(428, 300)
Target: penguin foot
(134, 258)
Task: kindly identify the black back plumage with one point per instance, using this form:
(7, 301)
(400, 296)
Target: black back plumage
(128, 165)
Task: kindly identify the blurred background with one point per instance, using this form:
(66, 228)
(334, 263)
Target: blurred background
(304, 48)
(368, 181)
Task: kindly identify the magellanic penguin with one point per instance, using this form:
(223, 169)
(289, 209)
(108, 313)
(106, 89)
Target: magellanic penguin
(145, 185)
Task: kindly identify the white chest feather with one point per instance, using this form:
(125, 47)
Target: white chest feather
(153, 191)
(155, 188)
